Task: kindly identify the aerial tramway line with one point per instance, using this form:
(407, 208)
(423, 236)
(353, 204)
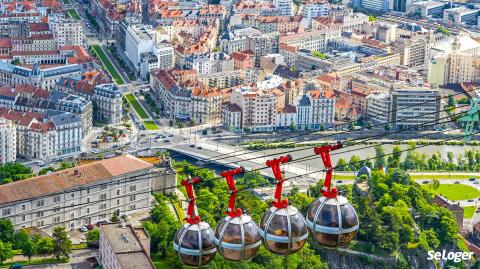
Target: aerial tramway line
(331, 220)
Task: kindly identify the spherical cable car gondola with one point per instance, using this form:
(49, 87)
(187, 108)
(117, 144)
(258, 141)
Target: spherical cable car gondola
(194, 242)
(331, 219)
(283, 228)
(237, 236)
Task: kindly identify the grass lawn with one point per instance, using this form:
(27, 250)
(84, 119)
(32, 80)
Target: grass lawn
(72, 13)
(35, 262)
(150, 125)
(469, 211)
(106, 62)
(132, 100)
(161, 263)
(455, 192)
(343, 177)
(440, 176)
(80, 246)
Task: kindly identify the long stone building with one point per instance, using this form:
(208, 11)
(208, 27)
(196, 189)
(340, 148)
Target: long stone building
(85, 194)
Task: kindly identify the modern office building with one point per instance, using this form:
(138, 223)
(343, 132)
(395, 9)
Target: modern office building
(415, 106)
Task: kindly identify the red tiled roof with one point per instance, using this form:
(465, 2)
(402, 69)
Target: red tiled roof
(65, 179)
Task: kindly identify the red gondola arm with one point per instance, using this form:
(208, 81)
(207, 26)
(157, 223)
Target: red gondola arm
(277, 173)
(192, 216)
(229, 177)
(324, 151)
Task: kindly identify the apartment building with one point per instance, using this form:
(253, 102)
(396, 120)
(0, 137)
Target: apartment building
(313, 9)
(34, 42)
(311, 40)
(67, 32)
(413, 50)
(108, 100)
(83, 195)
(206, 106)
(162, 56)
(124, 247)
(8, 138)
(415, 106)
(378, 107)
(24, 97)
(175, 99)
(231, 42)
(315, 110)
(50, 136)
(262, 45)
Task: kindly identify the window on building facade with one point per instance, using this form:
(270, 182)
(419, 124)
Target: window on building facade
(118, 192)
(23, 207)
(40, 203)
(6, 212)
(103, 196)
(56, 199)
(133, 188)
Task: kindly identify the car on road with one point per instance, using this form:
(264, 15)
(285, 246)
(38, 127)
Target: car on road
(199, 147)
(102, 222)
(192, 145)
(166, 141)
(83, 229)
(457, 182)
(471, 200)
(339, 181)
(90, 226)
(476, 182)
(425, 182)
(472, 179)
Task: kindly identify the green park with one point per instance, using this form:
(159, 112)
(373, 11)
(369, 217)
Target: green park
(108, 64)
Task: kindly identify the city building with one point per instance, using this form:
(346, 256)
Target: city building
(428, 8)
(84, 194)
(8, 140)
(315, 110)
(262, 45)
(123, 247)
(372, 5)
(311, 40)
(44, 78)
(96, 87)
(460, 16)
(24, 97)
(139, 39)
(406, 104)
(455, 61)
(314, 8)
(378, 107)
(67, 32)
(161, 57)
(54, 135)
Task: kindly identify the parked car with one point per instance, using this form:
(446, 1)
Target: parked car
(472, 179)
(457, 182)
(90, 226)
(425, 182)
(102, 222)
(339, 181)
(471, 200)
(476, 182)
(83, 229)
(199, 147)
(192, 145)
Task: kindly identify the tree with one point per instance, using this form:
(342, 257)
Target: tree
(394, 159)
(6, 230)
(252, 180)
(21, 237)
(341, 165)
(6, 251)
(292, 127)
(62, 246)
(115, 217)
(388, 127)
(369, 125)
(44, 244)
(93, 235)
(379, 157)
(29, 249)
(435, 184)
